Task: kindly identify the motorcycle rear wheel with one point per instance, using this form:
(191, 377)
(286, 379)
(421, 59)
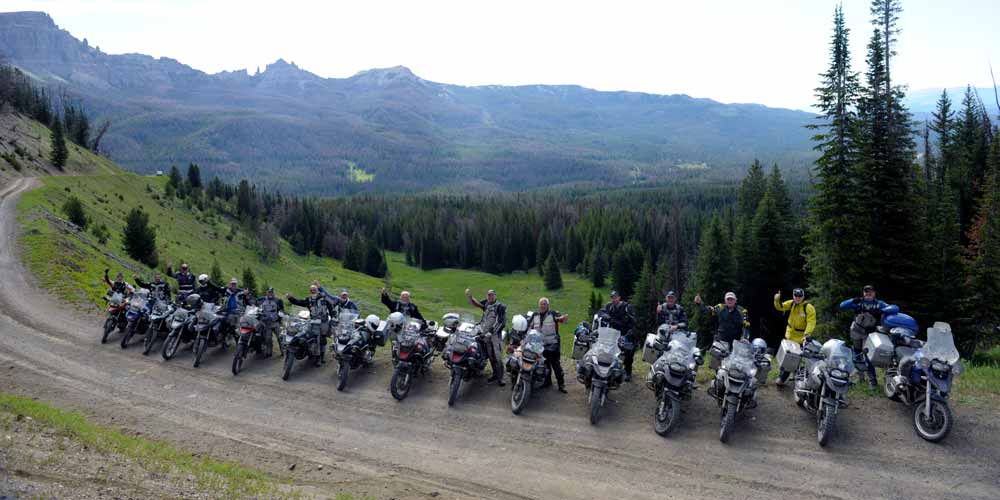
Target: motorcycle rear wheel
(289, 361)
(241, 352)
(668, 412)
(129, 332)
(399, 386)
(826, 419)
(343, 372)
(596, 394)
(935, 427)
(456, 384)
(109, 325)
(520, 395)
(728, 422)
(200, 346)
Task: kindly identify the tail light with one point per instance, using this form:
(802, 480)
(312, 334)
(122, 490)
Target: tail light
(404, 354)
(246, 329)
(455, 357)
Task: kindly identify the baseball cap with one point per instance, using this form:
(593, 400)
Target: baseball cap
(730, 295)
(614, 293)
(868, 288)
(671, 293)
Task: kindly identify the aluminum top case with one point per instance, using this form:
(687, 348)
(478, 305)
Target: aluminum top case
(879, 349)
(579, 349)
(788, 355)
(650, 349)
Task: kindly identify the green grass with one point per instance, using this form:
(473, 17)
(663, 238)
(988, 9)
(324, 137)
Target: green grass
(225, 479)
(73, 269)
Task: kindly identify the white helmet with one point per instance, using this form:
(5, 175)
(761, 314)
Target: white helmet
(519, 323)
(372, 321)
(451, 320)
(304, 314)
(202, 278)
(395, 319)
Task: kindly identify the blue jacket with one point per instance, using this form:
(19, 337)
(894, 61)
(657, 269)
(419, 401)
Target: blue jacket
(875, 307)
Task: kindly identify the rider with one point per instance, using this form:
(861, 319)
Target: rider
(158, 289)
(118, 285)
(185, 280)
(232, 305)
(321, 308)
(868, 314)
(546, 321)
(671, 313)
(343, 301)
(493, 321)
(801, 321)
(734, 321)
(622, 318)
(270, 307)
(403, 305)
(208, 291)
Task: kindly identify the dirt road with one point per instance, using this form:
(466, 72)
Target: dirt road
(371, 444)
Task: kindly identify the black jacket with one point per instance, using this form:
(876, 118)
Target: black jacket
(320, 307)
(186, 282)
(672, 316)
(210, 292)
(156, 290)
(410, 309)
(622, 316)
(262, 302)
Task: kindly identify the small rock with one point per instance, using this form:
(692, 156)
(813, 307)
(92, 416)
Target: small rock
(19, 417)
(320, 467)
(435, 494)
(291, 467)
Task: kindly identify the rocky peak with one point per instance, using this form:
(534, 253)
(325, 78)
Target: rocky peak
(384, 77)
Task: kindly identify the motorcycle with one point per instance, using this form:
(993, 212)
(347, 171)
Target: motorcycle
(137, 315)
(674, 360)
(181, 326)
(206, 321)
(527, 367)
(822, 380)
(355, 344)
(921, 375)
(413, 351)
(464, 356)
(600, 368)
(302, 340)
(735, 384)
(159, 322)
(116, 315)
(250, 337)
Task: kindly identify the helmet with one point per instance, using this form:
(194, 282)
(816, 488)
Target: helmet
(304, 314)
(395, 319)
(519, 323)
(372, 322)
(759, 345)
(193, 299)
(202, 278)
(451, 320)
(798, 292)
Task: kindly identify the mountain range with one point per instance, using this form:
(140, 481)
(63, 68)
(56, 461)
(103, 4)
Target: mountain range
(390, 130)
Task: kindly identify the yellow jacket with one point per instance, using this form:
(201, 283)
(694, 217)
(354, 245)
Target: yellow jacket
(801, 320)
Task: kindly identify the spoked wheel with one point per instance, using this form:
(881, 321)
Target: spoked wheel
(343, 371)
(129, 332)
(109, 326)
(200, 346)
(456, 384)
(289, 361)
(238, 357)
(147, 343)
(170, 345)
(399, 386)
(937, 425)
(826, 418)
(889, 387)
(520, 395)
(596, 394)
(728, 421)
(668, 412)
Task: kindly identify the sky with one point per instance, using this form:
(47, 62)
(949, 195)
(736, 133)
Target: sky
(761, 51)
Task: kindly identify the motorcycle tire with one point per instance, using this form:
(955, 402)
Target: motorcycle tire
(520, 395)
(289, 361)
(889, 389)
(238, 357)
(200, 346)
(109, 326)
(826, 419)
(668, 413)
(456, 384)
(939, 424)
(129, 332)
(343, 372)
(170, 345)
(149, 340)
(728, 422)
(596, 395)
(399, 386)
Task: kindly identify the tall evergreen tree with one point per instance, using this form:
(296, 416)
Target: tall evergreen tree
(970, 158)
(215, 274)
(598, 267)
(194, 176)
(622, 274)
(984, 276)
(59, 152)
(713, 273)
(139, 238)
(542, 251)
(752, 190)
(553, 277)
(771, 267)
(943, 124)
(250, 282)
(646, 297)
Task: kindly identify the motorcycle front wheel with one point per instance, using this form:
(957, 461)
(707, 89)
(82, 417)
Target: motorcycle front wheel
(109, 325)
(129, 332)
(728, 421)
(149, 340)
(596, 394)
(937, 425)
(241, 352)
(456, 384)
(289, 361)
(170, 345)
(200, 346)
(399, 386)
(520, 395)
(826, 418)
(343, 371)
(668, 412)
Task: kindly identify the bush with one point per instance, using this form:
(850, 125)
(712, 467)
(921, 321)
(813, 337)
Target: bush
(101, 233)
(73, 209)
(139, 239)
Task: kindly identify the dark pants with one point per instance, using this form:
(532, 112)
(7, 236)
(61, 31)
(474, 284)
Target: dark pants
(553, 358)
(629, 357)
(858, 336)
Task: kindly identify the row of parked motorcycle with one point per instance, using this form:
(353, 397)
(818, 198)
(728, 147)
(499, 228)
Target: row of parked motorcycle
(918, 374)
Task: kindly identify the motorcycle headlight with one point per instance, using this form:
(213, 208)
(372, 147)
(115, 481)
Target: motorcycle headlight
(837, 373)
(924, 363)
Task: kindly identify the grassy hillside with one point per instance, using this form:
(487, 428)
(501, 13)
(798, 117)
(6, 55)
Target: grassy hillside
(71, 263)
(25, 147)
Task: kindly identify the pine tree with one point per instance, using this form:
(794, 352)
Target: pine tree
(971, 150)
(622, 274)
(595, 304)
(713, 273)
(139, 238)
(598, 268)
(250, 282)
(542, 250)
(59, 152)
(194, 176)
(553, 277)
(73, 209)
(943, 125)
(752, 190)
(646, 297)
(215, 274)
(664, 279)
(771, 266)
(984, 276)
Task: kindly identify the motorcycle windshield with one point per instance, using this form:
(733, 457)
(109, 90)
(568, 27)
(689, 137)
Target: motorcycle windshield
(116, 300)
(741, 359)
(607, 341)
(346, 322)
(533, 342)
(940, 345)
(160, 308)
(681, 350)
(137, 302)
(207, 312)
(838, 356)
(180, 315)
